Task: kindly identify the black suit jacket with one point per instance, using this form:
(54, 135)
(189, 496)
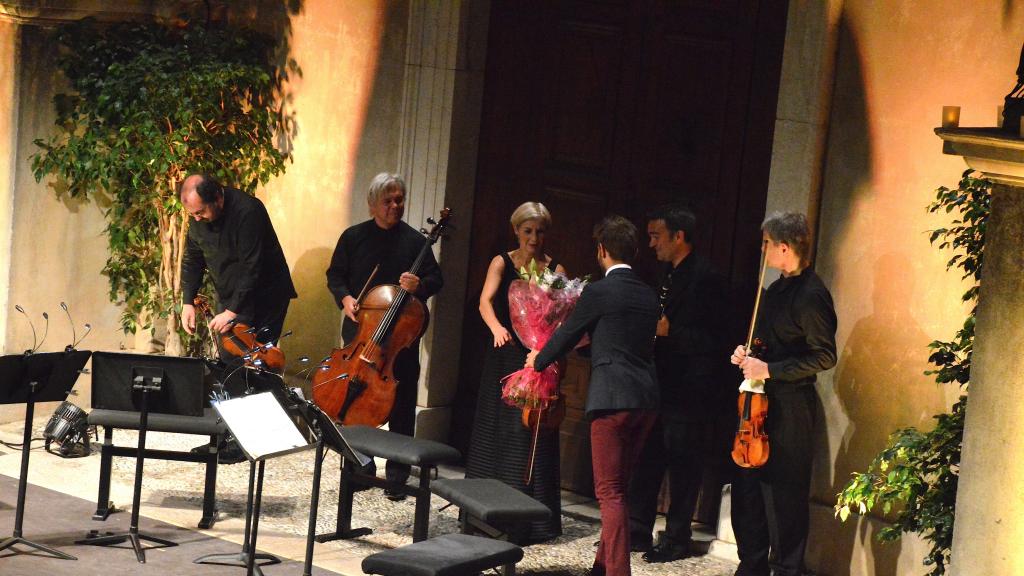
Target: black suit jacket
(697, 381)
(620, 312)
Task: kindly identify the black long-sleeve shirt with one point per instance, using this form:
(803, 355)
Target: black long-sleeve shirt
(797, 323)
(243, 256)
(366, 245)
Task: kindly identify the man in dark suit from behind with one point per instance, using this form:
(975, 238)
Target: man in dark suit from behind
(620, 312)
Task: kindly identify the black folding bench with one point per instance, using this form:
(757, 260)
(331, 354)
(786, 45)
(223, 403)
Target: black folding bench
(490, 506)
(374, 442)
(448, 555)
(207, 425)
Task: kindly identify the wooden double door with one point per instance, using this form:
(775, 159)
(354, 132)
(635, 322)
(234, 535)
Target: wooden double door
(617, 106)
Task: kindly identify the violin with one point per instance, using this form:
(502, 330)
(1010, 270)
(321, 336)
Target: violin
(750, 447)
(356, 384)
(241, 341)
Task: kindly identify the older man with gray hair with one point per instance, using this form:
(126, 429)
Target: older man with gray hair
(391, 246)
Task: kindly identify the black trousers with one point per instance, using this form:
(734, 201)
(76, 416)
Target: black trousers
(770, 504)
(403, 413)
(683, 447)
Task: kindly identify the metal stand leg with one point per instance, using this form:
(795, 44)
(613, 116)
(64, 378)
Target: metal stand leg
(19, 515)
(133, 533)
(241, 559)
(251, 545)
(314, 504)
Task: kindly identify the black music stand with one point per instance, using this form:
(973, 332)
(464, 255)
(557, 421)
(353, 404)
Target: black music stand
(327, 435)
(263, 430)
(32, 378)
(262, 382)
(144, 383)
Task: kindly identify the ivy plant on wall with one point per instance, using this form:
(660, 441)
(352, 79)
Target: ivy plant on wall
(149, 104)
(915, 476)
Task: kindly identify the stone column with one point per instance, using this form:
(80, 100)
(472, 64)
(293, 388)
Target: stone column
(437, 156)
(989, 525)
(990, 501)
(10, 34)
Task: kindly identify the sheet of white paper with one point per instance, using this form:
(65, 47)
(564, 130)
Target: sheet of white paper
(260, 424)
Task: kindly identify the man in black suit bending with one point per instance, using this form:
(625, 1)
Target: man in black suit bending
(621, 314)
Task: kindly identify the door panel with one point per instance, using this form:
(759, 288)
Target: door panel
(606, 106)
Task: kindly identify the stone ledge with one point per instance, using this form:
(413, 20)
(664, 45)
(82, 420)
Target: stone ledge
(997, 154)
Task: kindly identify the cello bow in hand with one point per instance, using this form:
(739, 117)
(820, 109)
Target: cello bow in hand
(356, 384)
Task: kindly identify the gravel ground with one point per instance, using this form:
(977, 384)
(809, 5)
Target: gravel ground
(285, 507)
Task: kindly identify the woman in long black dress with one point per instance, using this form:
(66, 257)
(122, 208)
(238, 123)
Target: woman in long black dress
(500, 445)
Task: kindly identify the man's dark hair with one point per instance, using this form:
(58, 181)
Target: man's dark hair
(677, 219)
(618, 236)
(790, 228)
(208, 188)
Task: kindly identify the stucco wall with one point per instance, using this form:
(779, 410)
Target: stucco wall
(347, 104)
(897, 64)
(348, 111)
(8, 136)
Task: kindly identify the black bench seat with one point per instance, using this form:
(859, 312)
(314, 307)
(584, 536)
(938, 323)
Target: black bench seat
(448, 555)
(374, 442)
(207, 425)
(490, 505)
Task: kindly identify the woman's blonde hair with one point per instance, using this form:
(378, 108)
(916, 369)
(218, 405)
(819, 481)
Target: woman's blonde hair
(530, 211)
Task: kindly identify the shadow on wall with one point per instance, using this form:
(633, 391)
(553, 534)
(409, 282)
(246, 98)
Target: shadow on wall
(313, 318)
(881, 385)
(873, 374)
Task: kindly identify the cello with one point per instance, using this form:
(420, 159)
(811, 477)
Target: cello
(241, 341)
(356, 384)
(750, 448)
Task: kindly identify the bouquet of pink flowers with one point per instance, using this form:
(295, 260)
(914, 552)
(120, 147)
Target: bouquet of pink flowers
(538, 304)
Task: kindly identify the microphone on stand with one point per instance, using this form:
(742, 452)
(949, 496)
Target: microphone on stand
(46, 330)
(269, 345)
(74, 335)
(75, 340)
(30, 325)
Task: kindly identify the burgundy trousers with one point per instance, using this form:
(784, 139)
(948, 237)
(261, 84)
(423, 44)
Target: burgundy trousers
(616, 439)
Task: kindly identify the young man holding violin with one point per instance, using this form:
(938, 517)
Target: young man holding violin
(233, 239)
(382, 250)
(796, 321)
(689, 355)
(620, 312)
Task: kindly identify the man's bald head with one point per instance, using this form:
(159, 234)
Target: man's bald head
(202, 197)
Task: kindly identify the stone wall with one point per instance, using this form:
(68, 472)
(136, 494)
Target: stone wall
(895, 65)
(384, 86)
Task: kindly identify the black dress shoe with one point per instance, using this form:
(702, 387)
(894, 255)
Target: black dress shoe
(667, 552)
(230, 454)
(640, 546)
(394, 495)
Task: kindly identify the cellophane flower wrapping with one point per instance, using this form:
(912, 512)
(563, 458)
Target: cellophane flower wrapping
(538, 305)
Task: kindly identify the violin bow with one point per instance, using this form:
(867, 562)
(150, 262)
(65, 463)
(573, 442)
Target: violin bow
(757, 302)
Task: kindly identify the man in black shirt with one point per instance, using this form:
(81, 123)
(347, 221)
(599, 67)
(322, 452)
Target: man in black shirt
(387, 243)
(797, 324)
(233, 239)
(689, 353)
